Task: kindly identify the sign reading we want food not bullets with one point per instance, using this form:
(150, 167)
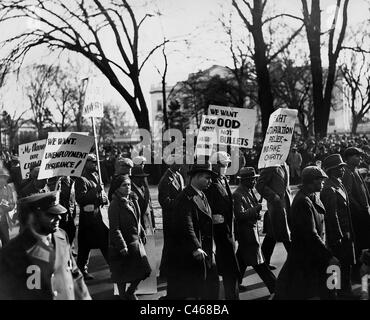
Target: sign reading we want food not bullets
(65, 154)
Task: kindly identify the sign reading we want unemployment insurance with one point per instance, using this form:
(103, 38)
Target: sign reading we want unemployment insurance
(65, 154)
(278, 138)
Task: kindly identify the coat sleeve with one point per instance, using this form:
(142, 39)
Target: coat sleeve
(348, 182)
(309, 232)
(241, 211)
(329, 200)
(186, 228)
(164, 198)
(262, 185)
(114, 226)
(85, 194)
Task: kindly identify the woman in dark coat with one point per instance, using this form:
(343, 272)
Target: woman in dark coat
(127, 256)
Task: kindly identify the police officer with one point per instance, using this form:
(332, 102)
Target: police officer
(38, 263)
(92, 232)
(221, 202)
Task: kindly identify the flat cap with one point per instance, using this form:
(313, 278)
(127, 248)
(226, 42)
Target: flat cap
(47, 201)
(351, 151)
(124, 162)
(312, 173)
(332, 161)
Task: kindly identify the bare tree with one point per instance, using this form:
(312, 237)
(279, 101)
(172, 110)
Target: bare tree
(261, 55)
(322, 96)
(41, 78)
(80, 26)
(356, 90)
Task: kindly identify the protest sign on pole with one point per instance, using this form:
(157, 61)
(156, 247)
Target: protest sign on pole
(206, 136)
(234, 126)
(278, 138)
(65, 154)
(93, 103)
(30, 155)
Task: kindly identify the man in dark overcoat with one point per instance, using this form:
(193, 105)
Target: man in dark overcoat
(220, 199)
(38, 263)
(191, 263)
(359, 202)
(273, 185)
(338, 222)
(247, 212)
(304, 273)
(169, 187)
(92, 232)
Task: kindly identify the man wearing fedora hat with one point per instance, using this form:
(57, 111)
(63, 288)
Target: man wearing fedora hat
(38, 264)
(247, 212)
(191, 263)
(359, 202)
(338, 222)
(220, 200)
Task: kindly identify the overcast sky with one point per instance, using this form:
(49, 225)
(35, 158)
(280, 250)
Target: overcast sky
(178, 20)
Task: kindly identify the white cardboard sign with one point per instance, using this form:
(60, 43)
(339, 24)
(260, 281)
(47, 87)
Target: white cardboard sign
(30, 155)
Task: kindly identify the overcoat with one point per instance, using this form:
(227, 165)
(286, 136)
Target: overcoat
(359, 202)
(125, 231)
(303, 275)
(221, 202)
(246, 230)
(338, 220)
(26, 258)
(91, 229)
(169, 187)
(274, 181)
(192, 225)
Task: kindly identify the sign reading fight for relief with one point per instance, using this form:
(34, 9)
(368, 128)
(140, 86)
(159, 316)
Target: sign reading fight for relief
(235, 126)
(65, 154)
(30, 156)
(278, 138)
(93, 106)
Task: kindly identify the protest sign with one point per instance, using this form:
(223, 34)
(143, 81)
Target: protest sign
(278, 138)
(65, 154)
(30, 156)
(206, 136)
(234, 126)
(93, 106)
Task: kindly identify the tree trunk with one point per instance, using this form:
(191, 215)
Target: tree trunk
(265, 97)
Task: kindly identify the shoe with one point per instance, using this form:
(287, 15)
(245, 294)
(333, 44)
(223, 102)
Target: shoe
(348, 296)
(272, 267)
(242, 288)
(88, 276)
(131, 297)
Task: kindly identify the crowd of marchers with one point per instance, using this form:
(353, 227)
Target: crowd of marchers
(210, 234)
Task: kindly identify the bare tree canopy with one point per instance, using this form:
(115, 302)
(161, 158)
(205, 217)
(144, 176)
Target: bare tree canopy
(322, 95)
(82, 27)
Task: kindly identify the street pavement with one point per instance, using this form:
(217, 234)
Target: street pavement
(101, 288)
